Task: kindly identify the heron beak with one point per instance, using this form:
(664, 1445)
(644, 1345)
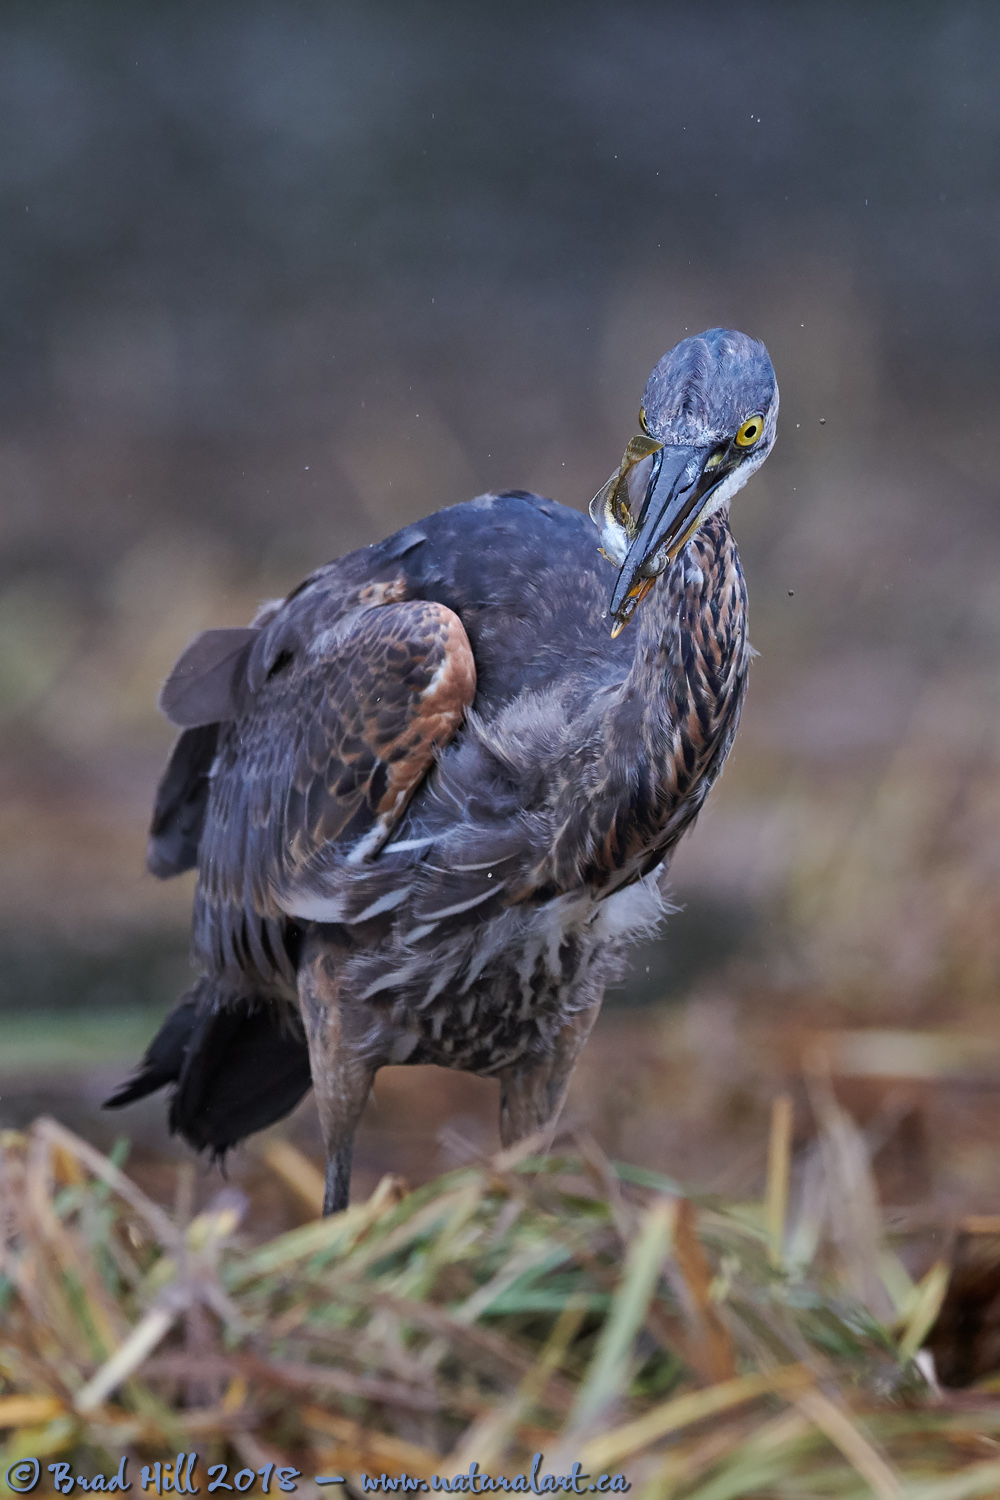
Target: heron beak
(675, 499)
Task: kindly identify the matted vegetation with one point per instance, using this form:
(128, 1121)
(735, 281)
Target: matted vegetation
(570, 1306)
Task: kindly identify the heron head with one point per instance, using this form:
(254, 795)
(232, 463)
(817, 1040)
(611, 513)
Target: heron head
(708, 417)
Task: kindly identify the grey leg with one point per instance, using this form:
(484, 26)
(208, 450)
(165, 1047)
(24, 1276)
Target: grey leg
(532, 1092)
(342, 1075)
(338, 1177)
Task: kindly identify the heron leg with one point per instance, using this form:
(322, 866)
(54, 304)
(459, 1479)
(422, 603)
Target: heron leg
(532, 1091)
(342, 1074)
(337, 1185)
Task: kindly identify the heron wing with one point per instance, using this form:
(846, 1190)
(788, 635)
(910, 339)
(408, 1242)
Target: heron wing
(181, 802)
(344, 724)
(208, 682)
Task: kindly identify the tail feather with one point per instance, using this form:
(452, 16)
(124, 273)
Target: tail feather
(163, 1062)
(237, 1064)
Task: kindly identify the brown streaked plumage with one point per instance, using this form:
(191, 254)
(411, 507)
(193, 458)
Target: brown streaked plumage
(431, 796)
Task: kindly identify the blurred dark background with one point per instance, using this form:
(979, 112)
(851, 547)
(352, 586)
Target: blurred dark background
(277, 279)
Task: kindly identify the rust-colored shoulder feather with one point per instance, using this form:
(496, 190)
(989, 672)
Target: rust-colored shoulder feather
(341, 731)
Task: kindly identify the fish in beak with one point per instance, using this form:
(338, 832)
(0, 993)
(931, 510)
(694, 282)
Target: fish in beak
(649, 510)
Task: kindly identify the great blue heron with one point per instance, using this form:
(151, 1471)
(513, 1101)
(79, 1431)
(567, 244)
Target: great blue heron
(431, 794)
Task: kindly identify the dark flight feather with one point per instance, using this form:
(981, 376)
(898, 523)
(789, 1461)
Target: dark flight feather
(208, 683)
(237, 1066)
(181, 799)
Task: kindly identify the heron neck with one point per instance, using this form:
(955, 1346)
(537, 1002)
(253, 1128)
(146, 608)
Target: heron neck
(692, 626)
(667, 730)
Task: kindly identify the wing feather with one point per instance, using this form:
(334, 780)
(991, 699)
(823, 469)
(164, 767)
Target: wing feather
(208, 683)
(322, 766)
(181, 801)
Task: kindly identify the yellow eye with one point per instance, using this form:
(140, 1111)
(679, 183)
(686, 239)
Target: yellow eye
(749, 432)
(642, 420)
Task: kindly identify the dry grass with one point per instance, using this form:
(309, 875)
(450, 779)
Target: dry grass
(571, 1306)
